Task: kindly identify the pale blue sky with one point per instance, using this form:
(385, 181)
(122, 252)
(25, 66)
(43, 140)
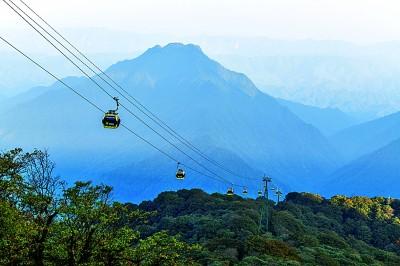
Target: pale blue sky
(351, 20)
(236, 33)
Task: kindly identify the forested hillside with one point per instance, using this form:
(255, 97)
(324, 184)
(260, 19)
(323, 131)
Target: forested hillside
(44, 221)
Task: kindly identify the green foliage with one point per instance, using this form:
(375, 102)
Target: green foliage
(263, 246)
(15, 234)
(89, 228)
(304, 198)
(45, 222)
(285, 225)
(377, 208)
(11, 181)
(332, 239)
(305, 228)
(163, 249)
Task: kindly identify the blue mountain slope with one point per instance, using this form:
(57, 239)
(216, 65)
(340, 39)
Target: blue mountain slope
(31, 94)
(365, 138)
(328, 120)
(202, 100)
(156, 174)
(375, 174)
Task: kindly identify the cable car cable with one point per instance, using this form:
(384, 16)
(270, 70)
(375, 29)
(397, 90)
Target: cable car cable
(102, 111)
(159, 122)
(105, 91)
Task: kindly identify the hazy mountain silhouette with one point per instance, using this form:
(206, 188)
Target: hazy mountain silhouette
(365, 138)
(375, 174)
(220, 110)
(328, 120)
(327, 78)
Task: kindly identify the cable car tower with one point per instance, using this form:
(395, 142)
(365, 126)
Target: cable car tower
(278, 193)
(265, 207)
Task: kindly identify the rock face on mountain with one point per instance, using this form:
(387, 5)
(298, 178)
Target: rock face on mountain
(219, 110)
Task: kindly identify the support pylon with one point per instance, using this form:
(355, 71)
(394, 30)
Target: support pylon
(265, 212)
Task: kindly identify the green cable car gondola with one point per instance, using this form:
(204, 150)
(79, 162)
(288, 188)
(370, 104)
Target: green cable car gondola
(180, 173)
(260, 193)
(230, 192)
(111, 118)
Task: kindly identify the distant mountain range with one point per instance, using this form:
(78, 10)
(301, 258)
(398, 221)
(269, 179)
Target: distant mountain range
(367, 137)
(318, 73)
(328, 120)
(11, 83)
(364, 84)
(216, 108)
(372, 150)
(373, 174)
(303, 148)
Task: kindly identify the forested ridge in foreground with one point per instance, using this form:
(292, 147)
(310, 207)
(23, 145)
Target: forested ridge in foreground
(45, 222)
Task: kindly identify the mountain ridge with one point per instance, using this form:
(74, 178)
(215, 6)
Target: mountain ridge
(373, 174)
(169, 58)
(367, 137)
(197, 97)
(328, 120)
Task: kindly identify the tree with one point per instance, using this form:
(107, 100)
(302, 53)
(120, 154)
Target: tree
(90, 228)
(13, 241)
(41, 201)
(12, 165)
(16, 232)
(264, 246)
(43, 222)
(162, 249)
(29, 200)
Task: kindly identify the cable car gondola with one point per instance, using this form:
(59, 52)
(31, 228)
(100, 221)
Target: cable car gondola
(259, 193)
(180, 173)
(230, 192)
(245, 191)
(111, 118)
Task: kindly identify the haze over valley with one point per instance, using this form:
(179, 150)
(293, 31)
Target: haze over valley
(303, 147)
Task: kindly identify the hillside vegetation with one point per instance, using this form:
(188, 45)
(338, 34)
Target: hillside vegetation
(45, 222)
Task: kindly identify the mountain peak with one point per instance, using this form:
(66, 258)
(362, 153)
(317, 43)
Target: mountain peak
(175, 47)
(189, 51)
(172, 53)
(177, 62)
(178, 45)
